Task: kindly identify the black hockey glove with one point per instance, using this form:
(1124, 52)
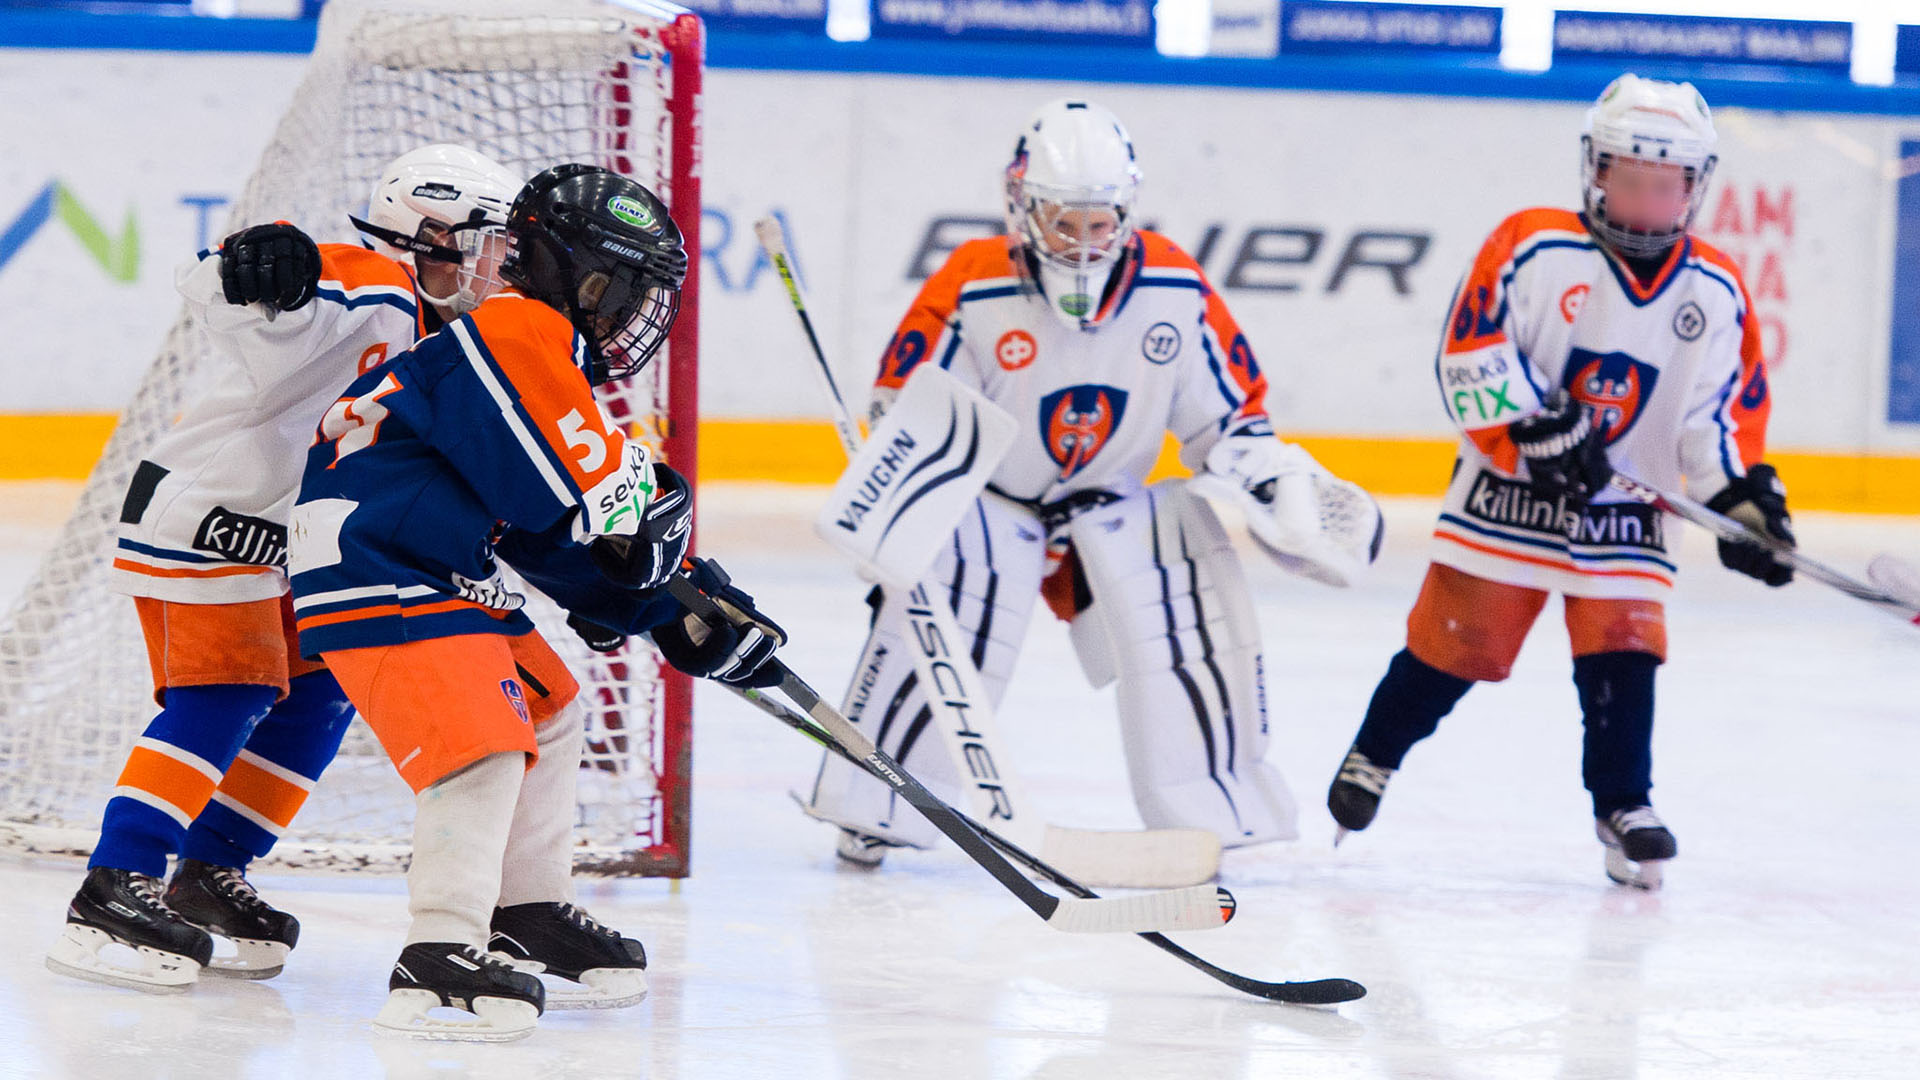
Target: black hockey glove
(735, 652)
(598, 638)
(1566, 454)
(647, 558)
(275, 264)
(1757, 500)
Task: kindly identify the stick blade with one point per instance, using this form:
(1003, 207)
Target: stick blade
(1133, 859)
(772, 237)
(1316, 992)
(1900, 578)
(1198, 907)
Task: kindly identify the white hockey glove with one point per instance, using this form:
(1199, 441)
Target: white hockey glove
(1306, 519)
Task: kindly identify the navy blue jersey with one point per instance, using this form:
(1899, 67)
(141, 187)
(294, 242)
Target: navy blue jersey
(486, 426)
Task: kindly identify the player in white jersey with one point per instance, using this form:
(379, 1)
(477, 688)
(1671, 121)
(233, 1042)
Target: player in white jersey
(1099, 338)
(246, 725)
(1581, 343)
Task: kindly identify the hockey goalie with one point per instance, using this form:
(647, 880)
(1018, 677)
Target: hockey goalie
(1096, 338)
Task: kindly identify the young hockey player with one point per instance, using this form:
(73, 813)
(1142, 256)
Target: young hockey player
(1098, 337)
(246, 724)
(484, 444)
(1580, 343)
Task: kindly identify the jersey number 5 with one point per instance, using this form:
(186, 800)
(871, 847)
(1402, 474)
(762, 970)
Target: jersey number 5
(354, 423)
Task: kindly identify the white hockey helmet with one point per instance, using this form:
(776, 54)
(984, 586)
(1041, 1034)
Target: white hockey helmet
(1659, 124)
(1070, 191)
(447, 204)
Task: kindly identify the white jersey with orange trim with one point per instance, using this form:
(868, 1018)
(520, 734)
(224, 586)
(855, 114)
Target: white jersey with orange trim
(1093, 406)
(205, 518)
(1672, 369)
(1162, 579)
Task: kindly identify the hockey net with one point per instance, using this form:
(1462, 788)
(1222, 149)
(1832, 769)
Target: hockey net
(531, 83)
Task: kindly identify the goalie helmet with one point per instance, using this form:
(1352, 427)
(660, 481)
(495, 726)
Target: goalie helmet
(600, 249)
(1070, 191)
(1646, 158)
(446, 204)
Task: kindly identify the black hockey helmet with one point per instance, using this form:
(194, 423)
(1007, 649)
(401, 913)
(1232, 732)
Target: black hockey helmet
(601, 249)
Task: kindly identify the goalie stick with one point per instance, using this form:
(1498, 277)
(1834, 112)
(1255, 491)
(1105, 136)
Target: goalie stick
(1196, 907)
(1142, 858)
(1887, 597)
(1310, 992)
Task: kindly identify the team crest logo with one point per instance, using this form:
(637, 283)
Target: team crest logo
(1078, 421)
(1015, 350)
(516, 699)
(1689, 322)
(1161, 343)
(1614, 385)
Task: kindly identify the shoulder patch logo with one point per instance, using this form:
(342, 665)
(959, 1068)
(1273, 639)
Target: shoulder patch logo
(1689, 322)
(1161, 343)
(1077, 421)
(1015, 350)
(1572, 300)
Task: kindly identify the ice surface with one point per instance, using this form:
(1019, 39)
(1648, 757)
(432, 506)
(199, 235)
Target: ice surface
(1785, 945)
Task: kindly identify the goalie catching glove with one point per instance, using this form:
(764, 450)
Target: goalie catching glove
(1306, 519)
(276, 264)
(735, 652)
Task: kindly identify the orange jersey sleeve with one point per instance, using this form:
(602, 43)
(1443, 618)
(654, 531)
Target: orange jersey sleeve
(930, 327)
(1478, 339)
(1752, 407)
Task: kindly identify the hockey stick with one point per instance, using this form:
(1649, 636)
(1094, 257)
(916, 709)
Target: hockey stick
(1196, 907)
(1314, 992)
(1905, 608)
(1149, 858)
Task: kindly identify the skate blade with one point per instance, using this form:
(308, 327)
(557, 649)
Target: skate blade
(251, 958)
(1646, 876)
(598, 988)
(1340, 833)
(77, 954)
(418, 1014)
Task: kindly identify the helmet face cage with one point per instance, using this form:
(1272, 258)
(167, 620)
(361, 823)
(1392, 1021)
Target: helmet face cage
(1639, 241)
(625, 316)
(1077, 228)
(481, 246)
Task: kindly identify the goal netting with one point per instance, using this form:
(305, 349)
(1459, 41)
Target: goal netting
(531, 83)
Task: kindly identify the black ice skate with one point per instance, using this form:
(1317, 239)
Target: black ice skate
(1355, 795)
(220, 900)
(499, 1004)
(122, 908)
(595, 966)
(1638, 846)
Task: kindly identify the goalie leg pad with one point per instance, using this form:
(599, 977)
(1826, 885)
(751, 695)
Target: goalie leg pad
(1185, 642)
(989, 573)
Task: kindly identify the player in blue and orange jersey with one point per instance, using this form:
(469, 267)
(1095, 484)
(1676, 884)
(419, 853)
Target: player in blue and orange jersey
(1577, 344)
(246, 724)
(484, 444)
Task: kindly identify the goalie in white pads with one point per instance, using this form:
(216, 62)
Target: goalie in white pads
(1097, 338)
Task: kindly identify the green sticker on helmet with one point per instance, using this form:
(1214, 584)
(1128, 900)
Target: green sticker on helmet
(632, 211)
(1076, 304)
